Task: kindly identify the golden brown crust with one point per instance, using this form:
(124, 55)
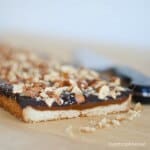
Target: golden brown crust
(56, 87)
(11, 106)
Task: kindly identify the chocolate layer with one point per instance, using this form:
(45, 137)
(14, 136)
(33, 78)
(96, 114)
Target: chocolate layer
(69, 100)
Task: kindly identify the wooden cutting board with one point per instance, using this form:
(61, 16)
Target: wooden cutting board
(16, 135)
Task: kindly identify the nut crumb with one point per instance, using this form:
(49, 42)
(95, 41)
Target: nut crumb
(115, 81)
(115, 122)
(76, 90)
(120, 117)
(103, 123)
(133, 114)
(87, 129)
(108, 121)
(93, 122)
(103, 92)
(18, 88)
(138, 107)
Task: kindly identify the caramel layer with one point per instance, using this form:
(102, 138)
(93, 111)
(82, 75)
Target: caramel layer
(83, 106)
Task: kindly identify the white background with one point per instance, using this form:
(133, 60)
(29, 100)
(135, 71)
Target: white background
(113, 21)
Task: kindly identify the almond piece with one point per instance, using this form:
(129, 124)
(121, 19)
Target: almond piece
(115, 80)
(49, 101)
(79, 98)
(103, 92)
(18, 88)
(58, 100)
(82, 84)
(76, 90)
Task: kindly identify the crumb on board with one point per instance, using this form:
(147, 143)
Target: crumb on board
(107, 121)
(87, 129)
(133, 114)
(103, 123)
(138, 107)
(120, 117)
(115, 122)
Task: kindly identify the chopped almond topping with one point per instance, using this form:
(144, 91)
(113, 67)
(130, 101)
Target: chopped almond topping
(59, 90)
(50, 93)
(115, 80)
(62, 83)
(113, 94)
(50, 101)
(82, 84)
(32, 91)
(65, 75)
(51, 76)
(32, 76)
(66, 83)
(76, 90)
(79, 98)
(44, 95)
(68, 69)
(18, 88)
(103, 92)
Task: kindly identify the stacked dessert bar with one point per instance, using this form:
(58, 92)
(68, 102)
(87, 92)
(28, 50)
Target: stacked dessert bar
(33, 89)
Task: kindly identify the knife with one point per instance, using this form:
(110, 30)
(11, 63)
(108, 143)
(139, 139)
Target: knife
(133, 79)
